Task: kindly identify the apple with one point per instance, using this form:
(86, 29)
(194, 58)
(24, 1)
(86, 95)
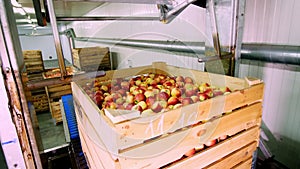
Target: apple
(150, 100)
(203, 87)
(190, 152)
(178, 105)
(186, 101)
(199, 148)
(188, 80)
(173, 100)
(225, 89)
(149, 80)
(223, 137)
(119, 100)
(209, 92)
(137, 107)
(180, 84)
(176, 92)
(128, 106)
(167, 84)
(149, 93)
(137, 91)
(195, 99)
(138, 82)
(129, 98)
(104, 88)
(147, 112)
(143, 105)
(120, 106)
(132, 88)
(139, 97)
(190, 92)
(202, 96)
(166, 90)
(108, 98)
(211, 143)
(112, 105)
(217, 93)
(157, 106)
(163, 96)
(151, 75)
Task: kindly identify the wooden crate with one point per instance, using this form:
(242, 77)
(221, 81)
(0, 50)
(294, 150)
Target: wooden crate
(92, 58)
(55, 92)
(161, 139)
(38, 97)
(33, 61)
(55, 112)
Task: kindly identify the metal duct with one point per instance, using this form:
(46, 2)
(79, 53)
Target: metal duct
(271, 53)
(173, 46)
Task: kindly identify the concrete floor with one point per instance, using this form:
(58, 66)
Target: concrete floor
(52, 135)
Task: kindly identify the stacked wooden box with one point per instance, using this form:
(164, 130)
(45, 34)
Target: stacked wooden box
(161, 140)
(92, 58)
(54, 92)
(34, 72)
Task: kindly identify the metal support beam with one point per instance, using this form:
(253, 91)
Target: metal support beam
(59, 52)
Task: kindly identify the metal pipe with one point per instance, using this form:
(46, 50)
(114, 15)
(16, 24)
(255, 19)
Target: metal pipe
(107, 18)
(271, 53)
(175, 46)
(59, 52)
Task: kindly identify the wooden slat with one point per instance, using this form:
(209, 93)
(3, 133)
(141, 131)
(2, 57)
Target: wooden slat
(60, 93)
(207, 157)
(59, 88)
(234, 158)
(244, 165)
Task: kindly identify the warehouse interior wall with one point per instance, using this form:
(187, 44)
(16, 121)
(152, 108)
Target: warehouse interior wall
(183, 28)
(276, 22)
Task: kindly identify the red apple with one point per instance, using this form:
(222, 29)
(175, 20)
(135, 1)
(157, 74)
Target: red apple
(178, 105)
(143, 105)
(150, 100)
(176, 92)
(163, 96)
(159, 105)
(173, 100)
(190, 153)
(223, 137)
(129, 98)
(225, 89)
(137, 107)
(166, 90)
(108, 98)
(128, 106)
(211, 143)
(217, 93)
(186, 101)
(149, 93)
(139, 97)
(190, 92)
(202, 96)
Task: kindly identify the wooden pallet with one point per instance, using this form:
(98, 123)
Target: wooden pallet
(55, 112)
(33, 61)
(92, 58)
(163, 139)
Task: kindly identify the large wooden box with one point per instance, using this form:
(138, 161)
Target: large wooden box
(33, 61)
(92, 58)
(161, 140)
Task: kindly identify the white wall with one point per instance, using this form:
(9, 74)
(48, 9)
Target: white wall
(277, 22)
(45, 43)
(188, 26)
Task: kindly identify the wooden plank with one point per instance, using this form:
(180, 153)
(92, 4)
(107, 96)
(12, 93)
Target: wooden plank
(234, 159)
(59, 88)
(244, 165)
(207, 157)
(60, 93)
(100, 156)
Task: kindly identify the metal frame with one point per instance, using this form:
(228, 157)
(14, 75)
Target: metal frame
(20, 151)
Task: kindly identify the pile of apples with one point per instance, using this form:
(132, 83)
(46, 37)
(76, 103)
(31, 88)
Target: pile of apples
(150, 92)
